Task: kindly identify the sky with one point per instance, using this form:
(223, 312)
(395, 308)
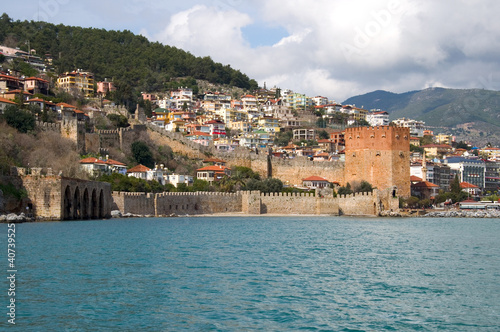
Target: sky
(331, 48)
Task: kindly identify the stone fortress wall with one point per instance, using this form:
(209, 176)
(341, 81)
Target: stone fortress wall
(378, 155)
(253, 202)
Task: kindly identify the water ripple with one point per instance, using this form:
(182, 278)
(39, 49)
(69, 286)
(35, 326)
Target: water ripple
(258, 273)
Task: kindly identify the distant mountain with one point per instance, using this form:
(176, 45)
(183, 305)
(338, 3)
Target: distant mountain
(472, 115)
(438, 107)
(380, 99)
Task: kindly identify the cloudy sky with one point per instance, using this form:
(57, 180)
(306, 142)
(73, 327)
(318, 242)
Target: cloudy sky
(332, 48)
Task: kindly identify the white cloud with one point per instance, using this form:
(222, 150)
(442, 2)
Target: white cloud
(207, 31)
(295, 38)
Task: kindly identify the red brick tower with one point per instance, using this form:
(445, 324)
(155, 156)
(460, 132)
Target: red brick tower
(379, 155)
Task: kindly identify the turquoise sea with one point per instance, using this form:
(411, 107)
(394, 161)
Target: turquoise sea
(256, 274)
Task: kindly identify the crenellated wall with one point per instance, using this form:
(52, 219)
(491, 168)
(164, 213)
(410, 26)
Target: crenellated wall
(253, 202)
(48, 126)
(75, 130)
(136, 203)
(198, 203)
(298, 203)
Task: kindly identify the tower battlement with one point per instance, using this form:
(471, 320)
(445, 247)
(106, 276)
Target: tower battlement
(379, 155)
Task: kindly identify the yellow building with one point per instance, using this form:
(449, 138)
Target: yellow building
(443, 139)
(269, 124)
(76, 81)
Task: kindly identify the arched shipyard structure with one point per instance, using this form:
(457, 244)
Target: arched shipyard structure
(53, 197)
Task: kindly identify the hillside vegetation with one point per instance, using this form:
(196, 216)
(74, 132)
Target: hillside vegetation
(134, 63)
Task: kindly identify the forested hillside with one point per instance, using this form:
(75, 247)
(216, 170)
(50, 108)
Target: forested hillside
(134, 63)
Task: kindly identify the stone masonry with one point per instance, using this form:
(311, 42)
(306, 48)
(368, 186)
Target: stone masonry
(379, 155)
(253, 202)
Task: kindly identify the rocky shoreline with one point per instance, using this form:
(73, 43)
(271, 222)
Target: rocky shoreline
(463, 214)
(14, 218)
(19, 218)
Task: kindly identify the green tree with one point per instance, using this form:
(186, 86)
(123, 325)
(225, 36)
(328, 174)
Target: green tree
(265, 186)
(414, 148)
(345, 190)
(426, 140)
(118, 120)
(413, 202)
(323, 134)
(120, 182)
(201, 185)
(245, 173)
(364, 186)
(142, 154)
(283, 138)
(22, 120)
(455, 185)
(463, 145)
(272, 185)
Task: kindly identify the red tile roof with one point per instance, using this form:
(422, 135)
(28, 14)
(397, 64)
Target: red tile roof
(315, 178)
(425, 184)
(466, 185)
(139, 169)
(91, 160)
(36, 79)
(18, 91)
(66, 105)
(414, 178)
(5, 100)
(214, 121)
(114, 162)
(212, 168)
(9, 77)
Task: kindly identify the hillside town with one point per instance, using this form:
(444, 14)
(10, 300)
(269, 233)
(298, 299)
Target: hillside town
(275, 121)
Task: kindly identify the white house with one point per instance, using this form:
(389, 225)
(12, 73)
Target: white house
(175, 179)
(379, 118)
(146, 173)
(314, 182)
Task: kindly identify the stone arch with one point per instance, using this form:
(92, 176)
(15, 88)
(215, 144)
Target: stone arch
(101, 204)
(77, 204)
(85, 204)
(93, 205)
(67, 204)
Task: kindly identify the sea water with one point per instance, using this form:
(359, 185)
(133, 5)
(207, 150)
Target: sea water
(256, 274)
